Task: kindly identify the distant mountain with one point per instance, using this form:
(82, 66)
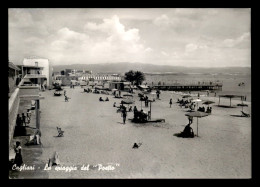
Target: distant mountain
(123, 67)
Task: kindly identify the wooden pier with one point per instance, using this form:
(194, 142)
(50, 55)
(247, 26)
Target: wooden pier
(189, 87)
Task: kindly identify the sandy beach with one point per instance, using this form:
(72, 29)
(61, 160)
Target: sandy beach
(95, 134)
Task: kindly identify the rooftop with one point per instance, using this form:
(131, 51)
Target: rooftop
(28, 66)
(11, 65)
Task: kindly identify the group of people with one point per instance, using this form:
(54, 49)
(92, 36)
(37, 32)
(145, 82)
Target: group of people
(140, 116)
(185, 103)
(101, 99)
(23, 120)
(202, 109)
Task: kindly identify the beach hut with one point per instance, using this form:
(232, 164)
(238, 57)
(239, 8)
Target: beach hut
(230, 97)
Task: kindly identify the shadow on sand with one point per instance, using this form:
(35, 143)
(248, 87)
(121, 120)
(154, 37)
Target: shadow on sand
(179, 135)
(239, 116)
(225, 106)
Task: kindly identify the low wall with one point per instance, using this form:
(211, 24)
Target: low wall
(29, 90)
(14, 102)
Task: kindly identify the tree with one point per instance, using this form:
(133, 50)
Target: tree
(130, 76)
(139, 77)
(135, 77)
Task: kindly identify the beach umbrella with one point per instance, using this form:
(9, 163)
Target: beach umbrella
(242, 105)
(186, 96)
(197, 114)
(208, 102)
(196, 101)
(127, 95)
(127, 101)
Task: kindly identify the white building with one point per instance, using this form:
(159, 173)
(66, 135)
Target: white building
(41, 62)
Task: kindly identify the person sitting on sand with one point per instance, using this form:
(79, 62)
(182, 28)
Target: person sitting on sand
(114, 105)
(187, 132)
(35, 139)
(54, 160)
(101, 99)
(107, 99)
(135, 146)
(143, 115)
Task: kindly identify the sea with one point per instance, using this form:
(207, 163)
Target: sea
(233, 83)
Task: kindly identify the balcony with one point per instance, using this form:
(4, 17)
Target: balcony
(30, 84)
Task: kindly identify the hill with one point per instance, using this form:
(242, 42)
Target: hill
(150, 68)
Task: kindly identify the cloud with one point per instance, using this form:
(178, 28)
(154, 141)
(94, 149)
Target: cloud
(166, 36)
(70, 35)
(148, 49)
(164, 53)
(240, 42)
(162, 20)
(191, 47)
(110, 42)
(20, 18)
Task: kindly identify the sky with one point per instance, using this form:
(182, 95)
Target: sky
(190, 37)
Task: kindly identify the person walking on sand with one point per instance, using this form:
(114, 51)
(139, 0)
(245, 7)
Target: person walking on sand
(64, 92)
(170, 102)
(158, 94)
(66, 98)
(124, 114)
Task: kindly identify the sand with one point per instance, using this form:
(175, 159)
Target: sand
(94, 134)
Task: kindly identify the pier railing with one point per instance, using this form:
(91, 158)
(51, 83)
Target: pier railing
(189, 87)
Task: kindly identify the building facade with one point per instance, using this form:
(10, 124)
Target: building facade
(45, 64)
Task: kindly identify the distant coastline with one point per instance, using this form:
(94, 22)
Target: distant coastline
(150, 69)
